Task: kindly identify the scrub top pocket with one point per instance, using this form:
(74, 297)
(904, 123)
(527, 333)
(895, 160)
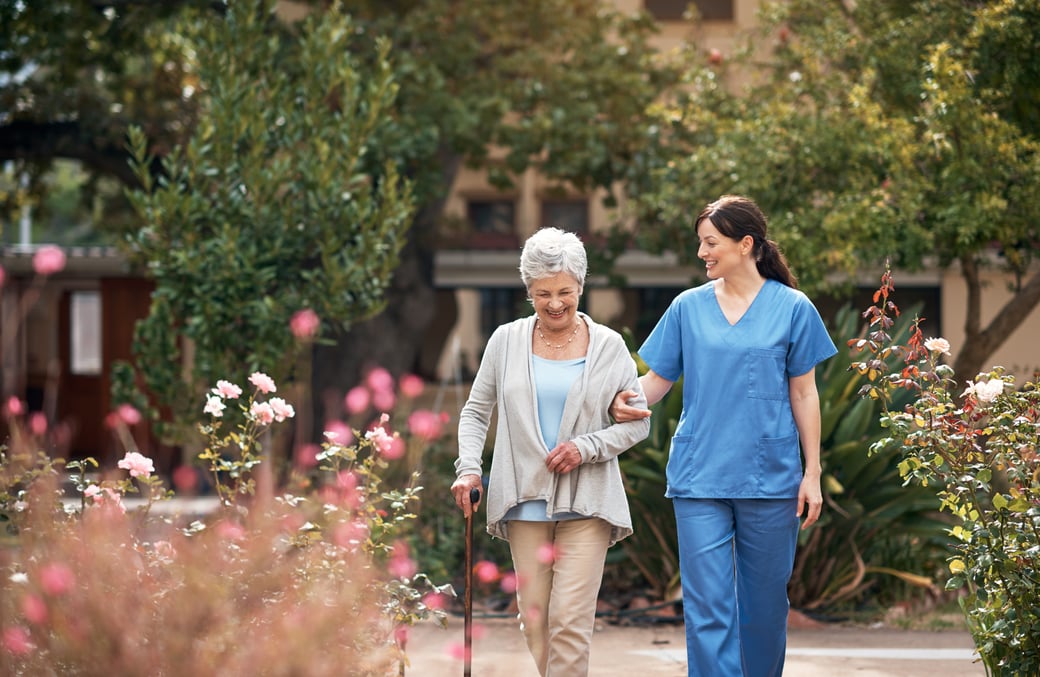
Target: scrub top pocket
(766, 374)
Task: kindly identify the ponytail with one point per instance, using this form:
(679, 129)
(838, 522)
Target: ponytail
(772, 264)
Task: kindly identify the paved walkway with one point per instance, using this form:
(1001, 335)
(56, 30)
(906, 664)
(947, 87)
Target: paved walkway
(659, 650)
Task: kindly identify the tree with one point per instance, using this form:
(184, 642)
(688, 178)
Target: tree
(561, 85)
(870, 131)
(267, 210)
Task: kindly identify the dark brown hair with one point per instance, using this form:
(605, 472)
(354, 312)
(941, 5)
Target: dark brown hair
(735, 217)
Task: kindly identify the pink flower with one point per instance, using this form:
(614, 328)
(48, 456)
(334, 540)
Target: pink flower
(435, 600)
(411, 386)
(138, 464)
(425, 424)
(396, 450)
(34, 609)
(487, 572)
(231, 531)
(384, 400)
(304, 323)
(379, 379)
(357, 399)
(401, 565)
(349, 535)
(382, 441)
(2, 276)
(128, 414)
(15, 407)
(307, 455)
(15, 641)
(262, 413)
(546, 553)
(281, 409)
(263, 382)
(508, 583)
(185, 478)
(56, 579)
(227, 390)
(38, 423)
(339, 432)
(48, 260)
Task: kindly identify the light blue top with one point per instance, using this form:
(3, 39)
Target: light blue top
(553, 380)
(736, 437)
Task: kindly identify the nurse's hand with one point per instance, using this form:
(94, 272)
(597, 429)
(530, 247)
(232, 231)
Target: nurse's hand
(622, 412)
(563, 458)
(810, 500)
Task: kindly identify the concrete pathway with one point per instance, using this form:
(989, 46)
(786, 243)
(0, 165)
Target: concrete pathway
(652, 651)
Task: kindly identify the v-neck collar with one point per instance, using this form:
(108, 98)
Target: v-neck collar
(747, 311)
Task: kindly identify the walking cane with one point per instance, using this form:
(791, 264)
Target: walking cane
(467, 651)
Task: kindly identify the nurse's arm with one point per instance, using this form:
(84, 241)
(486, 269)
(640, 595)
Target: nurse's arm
(654, 387)
(805, 405)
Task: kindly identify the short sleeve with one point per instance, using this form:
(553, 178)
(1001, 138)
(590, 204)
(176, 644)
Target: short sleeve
(810, 341)
(662, 350)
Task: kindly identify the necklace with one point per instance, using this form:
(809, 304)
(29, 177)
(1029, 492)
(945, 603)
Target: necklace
(538, 328)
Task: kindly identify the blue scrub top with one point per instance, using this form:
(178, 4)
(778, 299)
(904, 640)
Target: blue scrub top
(736, 437)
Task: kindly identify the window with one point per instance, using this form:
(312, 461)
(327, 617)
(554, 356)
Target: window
(499, 305)
(673, 10)
(571, 215)
(492, 216)
(651, 304)
(85, 324)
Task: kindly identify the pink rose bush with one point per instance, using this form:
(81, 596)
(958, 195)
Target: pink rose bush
(333, 543)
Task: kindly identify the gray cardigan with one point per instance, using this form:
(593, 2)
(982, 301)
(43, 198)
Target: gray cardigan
(518, 473)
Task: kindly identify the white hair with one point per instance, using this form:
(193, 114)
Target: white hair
(550, 251)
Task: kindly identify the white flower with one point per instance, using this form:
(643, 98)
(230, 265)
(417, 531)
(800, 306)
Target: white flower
(938, 345)
(794, 76)
(986, 392)
(214, 406)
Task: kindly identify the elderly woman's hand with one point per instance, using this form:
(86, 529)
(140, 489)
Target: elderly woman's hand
(460, 490)
(563, 458)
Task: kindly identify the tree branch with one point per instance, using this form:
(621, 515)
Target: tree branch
(43, 141)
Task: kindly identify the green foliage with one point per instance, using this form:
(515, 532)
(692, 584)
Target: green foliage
(268, 208)
(868, 131)
(870, 516)
(979, 451)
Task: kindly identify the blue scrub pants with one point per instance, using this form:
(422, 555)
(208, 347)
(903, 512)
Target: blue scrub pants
(735, 558)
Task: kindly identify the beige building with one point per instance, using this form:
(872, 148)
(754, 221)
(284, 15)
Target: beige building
(482, 272)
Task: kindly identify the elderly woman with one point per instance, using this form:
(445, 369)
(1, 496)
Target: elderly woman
(555, 491)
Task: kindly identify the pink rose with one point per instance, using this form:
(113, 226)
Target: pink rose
(15, 407)
(487, 572)
(411, 386)
(304, 323)
(263, 382)
(15, 641)
(48, 260)
(262, 413)
(357, 399)
(380, 379)
(138, 464)
(282, 410)
(56, 579)
(425, 424)
(227, 390)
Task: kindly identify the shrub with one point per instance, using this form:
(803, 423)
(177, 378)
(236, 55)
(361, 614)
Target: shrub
(979, 449)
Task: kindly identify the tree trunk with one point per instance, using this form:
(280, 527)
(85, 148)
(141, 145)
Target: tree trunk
(979, 343)
(395, 338)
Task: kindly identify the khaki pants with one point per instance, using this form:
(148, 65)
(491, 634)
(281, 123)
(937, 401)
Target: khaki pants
(559, 568)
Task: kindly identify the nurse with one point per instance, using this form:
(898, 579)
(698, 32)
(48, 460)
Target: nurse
(744, 466)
